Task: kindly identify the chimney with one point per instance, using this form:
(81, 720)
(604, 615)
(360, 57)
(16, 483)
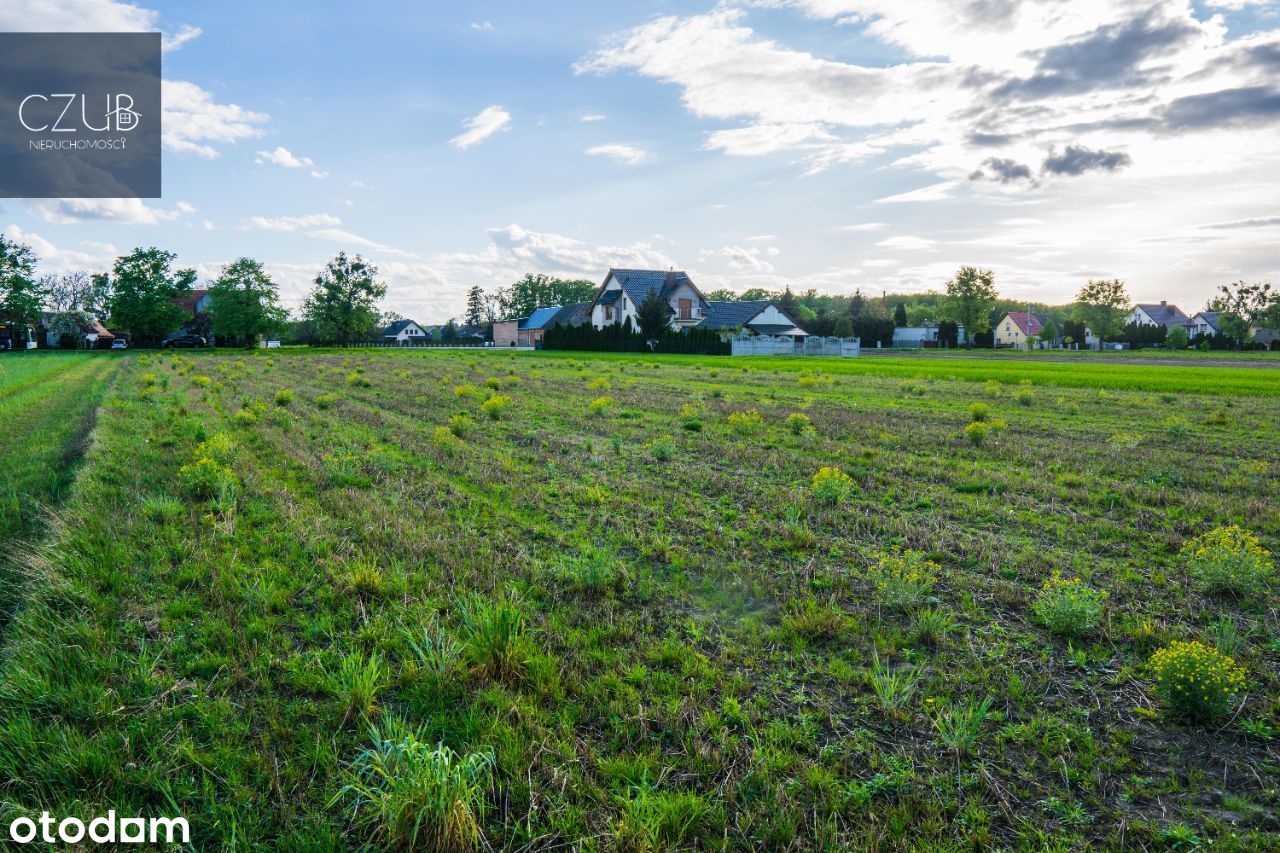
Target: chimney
(1164, 303)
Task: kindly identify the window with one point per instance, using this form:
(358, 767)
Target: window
(608, 313)
(686, 309)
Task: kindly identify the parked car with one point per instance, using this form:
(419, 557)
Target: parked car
(119, 343)
(184, 342)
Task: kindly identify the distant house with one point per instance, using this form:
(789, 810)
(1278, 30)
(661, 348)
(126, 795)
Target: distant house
(404, 333)
(760, 317)
(623, 290)
(1204, 323)
(916, 337)
(528, 331)
(1015, 327)
(1162, 314)
(87, 333)
(1270, 338)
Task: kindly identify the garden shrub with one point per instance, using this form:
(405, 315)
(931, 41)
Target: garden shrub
(976, 432)
(494, 406)
(1229, 560)
(205, 478)
(460, 425)
(904, 579)
(1068, 607)
(798, 423)
(830, 485)
(1196, 683)
(746, 422)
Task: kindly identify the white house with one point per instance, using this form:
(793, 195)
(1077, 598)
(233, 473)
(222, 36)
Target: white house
(1203, 323)
(623, 291)
(404, 332)
(1163, 314)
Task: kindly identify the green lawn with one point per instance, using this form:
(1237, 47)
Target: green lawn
(307, 599)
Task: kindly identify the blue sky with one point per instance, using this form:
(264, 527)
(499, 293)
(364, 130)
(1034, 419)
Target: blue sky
(833, 144)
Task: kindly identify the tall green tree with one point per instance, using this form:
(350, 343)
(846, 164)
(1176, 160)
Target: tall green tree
(343, 305)
(1049, 331)
(21, 296)
(1242, 305)
(542, 291)
(970, 296)
(143, 286)
(900, 314)
(653, 315)
(246, 303)
(1177, 338)
(475, 306)
(1102, 306)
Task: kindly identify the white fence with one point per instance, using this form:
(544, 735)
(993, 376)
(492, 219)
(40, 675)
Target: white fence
(787, 345)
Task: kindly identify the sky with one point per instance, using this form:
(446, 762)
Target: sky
(829, 144)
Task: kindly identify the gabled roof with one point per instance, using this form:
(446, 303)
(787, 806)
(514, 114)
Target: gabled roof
(190, 299)
(540, 318)
(572, 315)
(1027, 322)
(1210, 317)
(397, 327)
(1163, 313)
(637, 284)
(731, 315)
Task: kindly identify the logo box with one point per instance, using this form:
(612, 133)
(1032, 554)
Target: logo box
(80, 115)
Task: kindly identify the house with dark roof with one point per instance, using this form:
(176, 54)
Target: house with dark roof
(405, 333)
(1015, 327)
(1162, 314)
(624, 289)
(528, 331)
(1203, 323)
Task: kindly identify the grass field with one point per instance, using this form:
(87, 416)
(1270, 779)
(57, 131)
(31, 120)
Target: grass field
(318, 600)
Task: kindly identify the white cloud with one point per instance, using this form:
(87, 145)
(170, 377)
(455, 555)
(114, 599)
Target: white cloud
(130, 211)
(281, 156)
(480, 127)
(88, 16)
(864, 226)
(590, 117)
(739, 258)
(482, 26)
(933, 192)
(194, 123)
(55, 260)
(291, 223)
(170, 42)
(627, 154)
(915, 244)
(339, 235)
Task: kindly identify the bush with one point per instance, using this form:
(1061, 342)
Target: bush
(1228, 560)
(976, 432)
(979, 411)
(202, 381)
(830, 485)
(357, 380)
(600, 406)
(903, 580)
(599, 384)
(412, 796)
(798, 423)
(219, 447)
(1196, 683)
(444, 439)
(284, 397)
(325, 401)
(460, 425)
(1125, 441)
(205, 478)
(662, 448)
(1069, 607)
(1025, 397)
(746, 422)
(494, 406)
(245, 417)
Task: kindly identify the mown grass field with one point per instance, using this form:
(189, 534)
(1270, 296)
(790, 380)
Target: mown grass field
(635, 623)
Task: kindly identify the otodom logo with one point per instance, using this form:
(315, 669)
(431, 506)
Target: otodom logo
(57, 113)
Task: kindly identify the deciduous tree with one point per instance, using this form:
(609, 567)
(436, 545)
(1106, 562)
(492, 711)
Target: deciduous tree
(343, 306)
(970, 296)
(1102, 306)
(246, 302)
(21, 297)
(143, 287)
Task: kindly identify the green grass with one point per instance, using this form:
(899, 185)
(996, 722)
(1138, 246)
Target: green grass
(536, 630)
